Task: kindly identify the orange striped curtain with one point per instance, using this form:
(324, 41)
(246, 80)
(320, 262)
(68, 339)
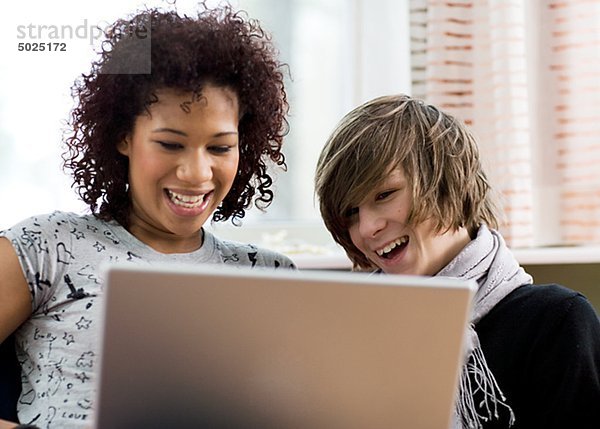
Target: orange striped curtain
(526, 79)
(572, 60)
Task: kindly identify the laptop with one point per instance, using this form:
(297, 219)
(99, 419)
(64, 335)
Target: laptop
(230, 347)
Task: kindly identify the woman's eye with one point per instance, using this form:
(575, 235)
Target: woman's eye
(170, 146)
(221, 149)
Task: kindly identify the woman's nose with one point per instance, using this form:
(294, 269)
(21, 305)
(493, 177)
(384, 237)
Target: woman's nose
(194, 168)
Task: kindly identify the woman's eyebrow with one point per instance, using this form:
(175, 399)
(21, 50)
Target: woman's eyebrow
(184, 134)
(225, 133)
(170, 130)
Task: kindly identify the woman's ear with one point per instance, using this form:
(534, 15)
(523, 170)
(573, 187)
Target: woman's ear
(123, 146)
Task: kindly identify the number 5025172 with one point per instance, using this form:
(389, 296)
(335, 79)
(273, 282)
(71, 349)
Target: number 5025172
(42, 46)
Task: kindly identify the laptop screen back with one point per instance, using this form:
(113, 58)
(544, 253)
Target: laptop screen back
(230, 347)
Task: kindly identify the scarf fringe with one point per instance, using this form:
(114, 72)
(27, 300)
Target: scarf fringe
(482, 380)
(488, 261)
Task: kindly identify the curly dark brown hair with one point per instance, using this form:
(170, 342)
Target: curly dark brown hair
(218, 46)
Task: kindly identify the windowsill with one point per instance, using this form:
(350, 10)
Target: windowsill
(310, 246)
(337, 261)
(558, 255)
(533, 256)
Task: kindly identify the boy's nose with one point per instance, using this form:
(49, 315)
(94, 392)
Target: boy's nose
(369, 222)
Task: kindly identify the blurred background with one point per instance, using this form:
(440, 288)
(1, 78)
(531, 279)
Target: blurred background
(339, 53)
(523, 74)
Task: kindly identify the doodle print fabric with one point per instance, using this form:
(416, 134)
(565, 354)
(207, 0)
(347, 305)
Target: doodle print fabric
(60, 254)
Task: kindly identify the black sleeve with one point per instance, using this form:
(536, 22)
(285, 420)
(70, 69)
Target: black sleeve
(568, 370)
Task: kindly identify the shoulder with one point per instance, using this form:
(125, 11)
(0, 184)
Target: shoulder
(547, 327)
(43, 233)
(549, 300)
(545, 293)
(35, 231)
(249, 254)
(41, 222)
(549, 305)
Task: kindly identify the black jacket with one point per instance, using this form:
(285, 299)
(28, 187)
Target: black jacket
(543, 345)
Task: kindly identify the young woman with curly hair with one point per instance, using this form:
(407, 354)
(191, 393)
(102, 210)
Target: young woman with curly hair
(178, 120)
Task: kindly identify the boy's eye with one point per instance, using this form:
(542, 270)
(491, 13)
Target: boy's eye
(383, 195)
(351, 212)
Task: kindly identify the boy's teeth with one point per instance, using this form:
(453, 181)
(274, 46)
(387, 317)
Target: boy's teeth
(188, 201)
(392, 245)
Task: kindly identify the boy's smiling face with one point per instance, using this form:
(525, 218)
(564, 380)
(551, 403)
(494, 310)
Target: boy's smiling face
(379, 229)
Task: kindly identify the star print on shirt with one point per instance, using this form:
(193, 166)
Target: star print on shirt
(82, 376)
(83, 323)
(68, 338)
(99, 247)
(78, 234)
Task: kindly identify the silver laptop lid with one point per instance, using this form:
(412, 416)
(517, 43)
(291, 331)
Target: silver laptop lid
(219, 346)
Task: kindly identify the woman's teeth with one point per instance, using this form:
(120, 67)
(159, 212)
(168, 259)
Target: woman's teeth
(387, 249)
(187, 201)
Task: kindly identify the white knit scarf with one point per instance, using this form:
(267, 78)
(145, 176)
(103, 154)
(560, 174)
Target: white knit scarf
(488, 261)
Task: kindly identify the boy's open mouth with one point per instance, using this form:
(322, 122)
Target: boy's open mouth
(393, 248)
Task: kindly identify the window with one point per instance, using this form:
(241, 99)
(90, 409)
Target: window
(524, 75)
(340, 53)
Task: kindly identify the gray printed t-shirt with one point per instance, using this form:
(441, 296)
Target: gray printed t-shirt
(57, 347)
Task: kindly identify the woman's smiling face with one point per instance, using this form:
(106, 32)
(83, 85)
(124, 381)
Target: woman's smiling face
(379, 229)
(183, 159)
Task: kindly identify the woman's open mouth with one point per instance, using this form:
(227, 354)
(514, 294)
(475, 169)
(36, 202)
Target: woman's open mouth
(188, 204)
(187, 201)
